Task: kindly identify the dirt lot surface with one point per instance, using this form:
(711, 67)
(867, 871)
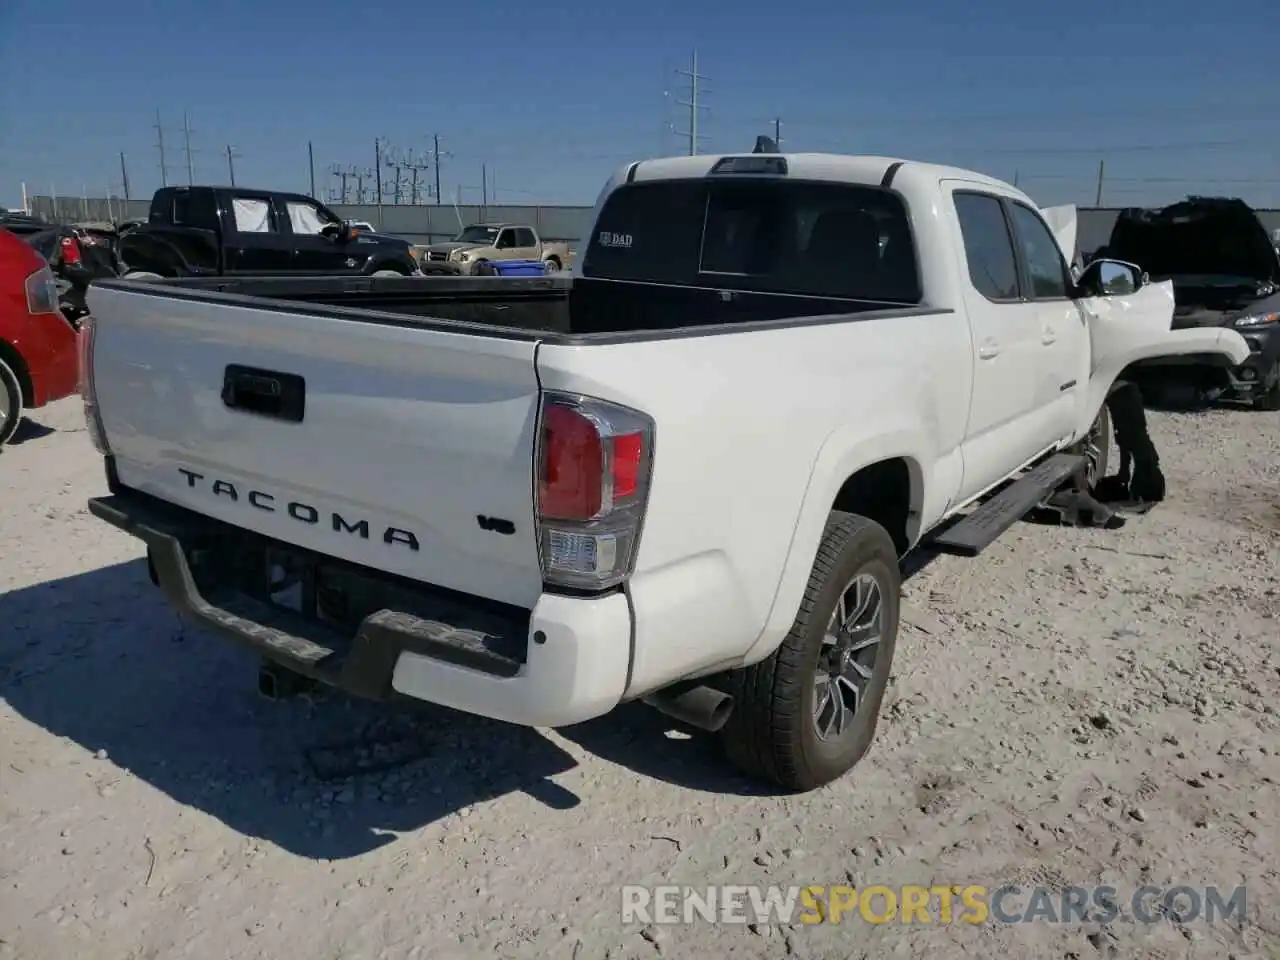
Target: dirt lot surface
(1074, 707)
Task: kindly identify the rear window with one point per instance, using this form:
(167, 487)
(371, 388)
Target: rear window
(776, 236)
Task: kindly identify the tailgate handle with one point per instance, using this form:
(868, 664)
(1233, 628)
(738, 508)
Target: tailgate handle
(281, 396)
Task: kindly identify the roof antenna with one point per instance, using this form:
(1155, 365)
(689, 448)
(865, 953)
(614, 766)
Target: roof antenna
(765, 145)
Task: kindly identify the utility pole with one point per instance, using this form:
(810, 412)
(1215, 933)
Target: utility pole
(1102, 168)
(232, 153)
(164, 166)
(693, 104)
(377, 173)
(186, 137)
(124, 175)
(484, 185)
(311, 162)
(777, 133)
(435, 160)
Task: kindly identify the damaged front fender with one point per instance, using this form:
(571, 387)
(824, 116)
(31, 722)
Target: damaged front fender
(1126, 329)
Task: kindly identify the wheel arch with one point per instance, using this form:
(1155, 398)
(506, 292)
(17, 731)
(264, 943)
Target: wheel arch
(15, 362)
(881, 478)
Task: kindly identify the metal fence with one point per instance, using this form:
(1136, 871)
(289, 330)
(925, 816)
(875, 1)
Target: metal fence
(417, 224)
(429, 224)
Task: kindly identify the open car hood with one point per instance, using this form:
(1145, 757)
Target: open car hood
(1198, 236)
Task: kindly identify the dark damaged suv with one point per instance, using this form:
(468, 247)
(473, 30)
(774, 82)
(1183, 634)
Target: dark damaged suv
(1225, 272)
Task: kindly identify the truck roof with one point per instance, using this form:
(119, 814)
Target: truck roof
(840, 168)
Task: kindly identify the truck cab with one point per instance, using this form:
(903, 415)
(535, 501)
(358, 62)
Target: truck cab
(219, 231)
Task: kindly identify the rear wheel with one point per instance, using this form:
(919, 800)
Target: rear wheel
(807, 714)
(10, 403)
(1269, 398)
(551, 265)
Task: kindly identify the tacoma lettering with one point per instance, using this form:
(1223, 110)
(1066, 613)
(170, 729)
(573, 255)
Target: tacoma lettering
(297, 510)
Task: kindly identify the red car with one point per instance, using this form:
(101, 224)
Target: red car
(38, 355)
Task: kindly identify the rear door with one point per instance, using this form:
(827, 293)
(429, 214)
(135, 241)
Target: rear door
(507, 244)
(1008, 423)
(1063, 360)
(526, 244)
(254, 241)
(395, 441)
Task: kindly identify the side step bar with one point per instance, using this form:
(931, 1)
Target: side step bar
(977, 531)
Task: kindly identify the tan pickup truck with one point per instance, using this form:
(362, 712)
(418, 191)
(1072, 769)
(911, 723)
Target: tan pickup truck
(482, 242)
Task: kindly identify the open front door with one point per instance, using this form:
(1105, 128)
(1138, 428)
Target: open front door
(1062, 221)
(1126, 328)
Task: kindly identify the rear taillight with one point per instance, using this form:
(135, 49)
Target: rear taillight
(88, 388)
(594, 462)
(42, 292)
(70, 250)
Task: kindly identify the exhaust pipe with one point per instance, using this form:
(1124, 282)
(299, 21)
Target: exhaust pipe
(279, 683)
(695, 704)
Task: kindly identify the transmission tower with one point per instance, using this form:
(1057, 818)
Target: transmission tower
(361, 174)
(694, 105)
(341, 174)
(164, 160)
(435, 154)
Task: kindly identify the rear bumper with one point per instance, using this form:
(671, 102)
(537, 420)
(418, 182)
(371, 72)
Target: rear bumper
(562, 663)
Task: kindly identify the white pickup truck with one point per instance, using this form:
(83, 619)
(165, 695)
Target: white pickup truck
(685, 474)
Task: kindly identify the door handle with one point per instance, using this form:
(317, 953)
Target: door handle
(988, 350)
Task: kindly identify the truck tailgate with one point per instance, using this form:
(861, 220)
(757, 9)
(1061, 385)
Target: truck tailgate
(397, 446)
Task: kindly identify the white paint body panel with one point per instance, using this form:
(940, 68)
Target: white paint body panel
(756, 432)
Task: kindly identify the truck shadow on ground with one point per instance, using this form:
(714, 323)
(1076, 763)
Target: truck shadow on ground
(29, 430)
(101, 660)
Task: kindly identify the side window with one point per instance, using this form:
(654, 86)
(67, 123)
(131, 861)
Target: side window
(505, 240)
(1042, 253)
(305, 219)
(526, 238)
(988, 248)
(252, 215)
(195, 208)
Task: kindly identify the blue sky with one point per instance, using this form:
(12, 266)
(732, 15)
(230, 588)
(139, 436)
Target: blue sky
(1177, 96)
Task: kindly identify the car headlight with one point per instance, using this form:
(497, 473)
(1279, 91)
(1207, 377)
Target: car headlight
(461, 254)
(1257, 320)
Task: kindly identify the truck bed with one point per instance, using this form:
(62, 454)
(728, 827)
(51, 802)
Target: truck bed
(563, 307)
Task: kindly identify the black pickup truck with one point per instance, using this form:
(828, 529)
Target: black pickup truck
(229, 231)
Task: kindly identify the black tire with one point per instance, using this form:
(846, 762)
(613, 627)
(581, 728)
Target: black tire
(1269, 398)
(772, 732)
(483, 268)
(552, 265)
(1096, 446)
(11, 408)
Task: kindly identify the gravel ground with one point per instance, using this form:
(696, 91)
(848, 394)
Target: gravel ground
(1075, 707)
